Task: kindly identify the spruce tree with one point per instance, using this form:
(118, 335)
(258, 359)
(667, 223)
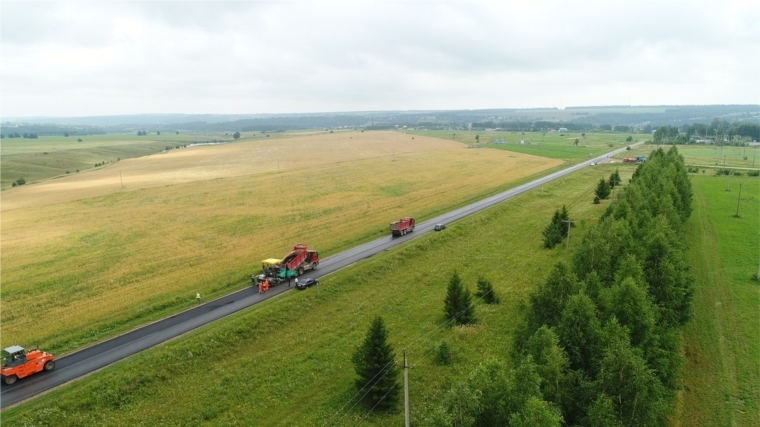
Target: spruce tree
(553, 232)
(602, 189)
(457, 305)
(467, 314)
(486, 292)
(564, 218)
(557, 228)
(376, 368)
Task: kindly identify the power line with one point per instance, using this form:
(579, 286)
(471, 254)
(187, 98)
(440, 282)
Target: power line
(386, 370)
(413, 345)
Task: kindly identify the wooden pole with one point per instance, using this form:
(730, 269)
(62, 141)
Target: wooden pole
(739, 200)
(406, 391)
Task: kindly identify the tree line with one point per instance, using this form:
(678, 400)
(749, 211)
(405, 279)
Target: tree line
(720, 131)
(16, 135)
(599, 341)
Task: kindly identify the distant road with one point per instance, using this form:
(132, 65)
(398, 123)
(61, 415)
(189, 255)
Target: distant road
(90, 359)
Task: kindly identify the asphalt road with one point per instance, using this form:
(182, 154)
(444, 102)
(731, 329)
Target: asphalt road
(98, 356)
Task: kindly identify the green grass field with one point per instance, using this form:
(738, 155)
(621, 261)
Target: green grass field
(720, 156)
(287, 361)
(553, 144)
(722, 342)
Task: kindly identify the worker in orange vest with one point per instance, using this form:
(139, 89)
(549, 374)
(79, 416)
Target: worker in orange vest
(261, 285)
(266, 285)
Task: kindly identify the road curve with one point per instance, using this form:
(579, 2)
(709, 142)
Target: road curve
(90, 359)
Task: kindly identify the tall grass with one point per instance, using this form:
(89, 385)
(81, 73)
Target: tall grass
(722, 349)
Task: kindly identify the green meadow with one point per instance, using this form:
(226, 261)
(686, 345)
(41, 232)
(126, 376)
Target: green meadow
(287, 361)
(553, 145)
(722, 342)
(720, 156)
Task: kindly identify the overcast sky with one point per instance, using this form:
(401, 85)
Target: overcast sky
(82, 58)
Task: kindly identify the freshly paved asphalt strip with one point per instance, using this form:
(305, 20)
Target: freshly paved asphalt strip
(90, 359)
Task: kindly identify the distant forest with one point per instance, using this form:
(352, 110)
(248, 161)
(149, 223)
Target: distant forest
(618, 118)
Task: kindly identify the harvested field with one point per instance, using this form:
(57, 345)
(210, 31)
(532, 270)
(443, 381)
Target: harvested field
(201, 163)
(100, 259)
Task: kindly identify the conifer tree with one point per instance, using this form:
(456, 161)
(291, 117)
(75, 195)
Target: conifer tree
(376, 368)
(552, 233)
(602, 189)
(486, 292)
(457, 305)
(557, 228)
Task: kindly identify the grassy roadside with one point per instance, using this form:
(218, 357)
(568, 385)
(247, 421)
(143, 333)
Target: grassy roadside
(287, 361)
(722, 342)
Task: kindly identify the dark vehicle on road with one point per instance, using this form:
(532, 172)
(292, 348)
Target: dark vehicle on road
(439, 227)
(307, 283)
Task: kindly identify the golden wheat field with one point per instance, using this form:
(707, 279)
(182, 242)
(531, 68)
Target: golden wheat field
(84, 257)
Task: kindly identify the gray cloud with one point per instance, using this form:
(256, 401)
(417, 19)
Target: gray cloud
(192, 57)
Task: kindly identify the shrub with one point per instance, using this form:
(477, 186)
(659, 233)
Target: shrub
(753, 173)
(596, 200)
(443, 354)
(20, 181)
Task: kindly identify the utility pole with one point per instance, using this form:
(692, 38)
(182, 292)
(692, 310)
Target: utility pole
(406, 391)
(569, 226)
(739, 200)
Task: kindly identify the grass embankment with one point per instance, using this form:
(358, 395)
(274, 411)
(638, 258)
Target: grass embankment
(101, 265)
(287, 361)
(722, 342)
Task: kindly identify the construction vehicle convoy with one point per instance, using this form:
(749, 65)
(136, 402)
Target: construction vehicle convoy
(294, 264)
(301, 259)
(18, 363)
(637, 159)
(402, 226)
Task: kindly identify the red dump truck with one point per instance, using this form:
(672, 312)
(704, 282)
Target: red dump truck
(402, 226)
(294, 264)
